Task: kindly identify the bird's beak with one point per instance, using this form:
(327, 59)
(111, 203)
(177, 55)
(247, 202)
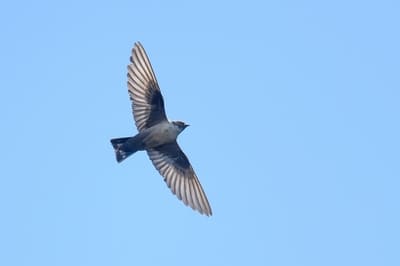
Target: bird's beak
(186, 125)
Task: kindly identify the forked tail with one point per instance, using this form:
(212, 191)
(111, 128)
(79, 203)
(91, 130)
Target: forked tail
(122, 151)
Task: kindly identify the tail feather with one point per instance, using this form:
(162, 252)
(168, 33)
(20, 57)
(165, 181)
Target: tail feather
(122, 151)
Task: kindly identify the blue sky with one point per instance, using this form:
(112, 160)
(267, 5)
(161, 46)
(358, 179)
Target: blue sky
(294, 112)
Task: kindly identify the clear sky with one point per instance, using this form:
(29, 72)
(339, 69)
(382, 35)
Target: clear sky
(294, 109)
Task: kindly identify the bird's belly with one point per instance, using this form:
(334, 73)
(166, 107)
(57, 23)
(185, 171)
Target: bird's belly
(160, 136)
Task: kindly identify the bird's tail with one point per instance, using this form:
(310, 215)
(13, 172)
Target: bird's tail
(123, 149)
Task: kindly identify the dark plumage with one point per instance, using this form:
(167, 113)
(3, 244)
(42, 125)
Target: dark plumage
(157, 136)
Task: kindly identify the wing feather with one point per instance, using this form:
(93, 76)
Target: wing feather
(180, 177)
(144, 92)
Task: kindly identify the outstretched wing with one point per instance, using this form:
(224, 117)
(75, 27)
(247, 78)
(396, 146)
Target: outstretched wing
(180, 177)
(144, 92)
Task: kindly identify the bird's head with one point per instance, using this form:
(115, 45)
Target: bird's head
(180, 125)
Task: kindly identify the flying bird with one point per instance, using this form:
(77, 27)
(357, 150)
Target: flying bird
(157, 135)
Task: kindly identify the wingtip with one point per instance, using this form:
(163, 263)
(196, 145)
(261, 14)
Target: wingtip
(137, 45)
(209, 214)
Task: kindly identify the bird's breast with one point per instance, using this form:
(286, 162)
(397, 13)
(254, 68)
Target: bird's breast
(161, 134)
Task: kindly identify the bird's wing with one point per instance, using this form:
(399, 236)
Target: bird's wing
(144, 92)
(180, 177)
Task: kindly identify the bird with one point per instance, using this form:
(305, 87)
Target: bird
(157, 135)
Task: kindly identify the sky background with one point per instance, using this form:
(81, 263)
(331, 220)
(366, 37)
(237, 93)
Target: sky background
(294, 109)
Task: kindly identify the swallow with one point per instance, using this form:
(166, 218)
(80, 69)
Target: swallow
(157, 135)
